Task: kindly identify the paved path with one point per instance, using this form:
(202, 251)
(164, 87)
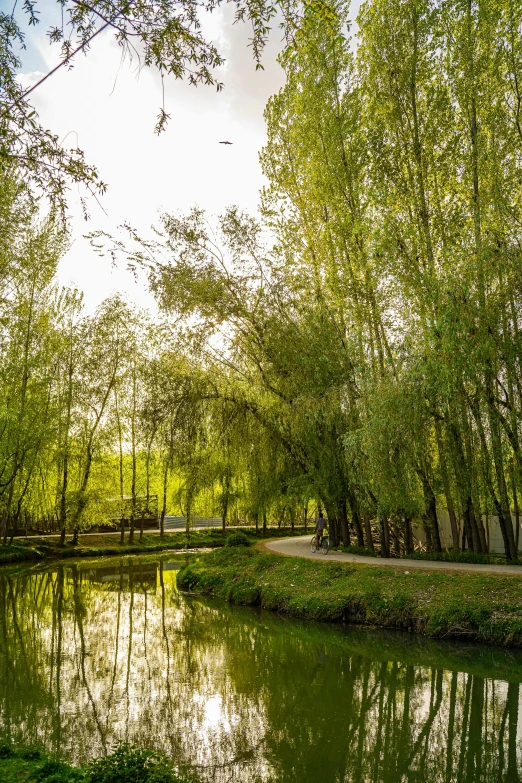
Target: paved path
(300, 547)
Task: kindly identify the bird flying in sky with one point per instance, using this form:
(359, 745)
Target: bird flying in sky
(226, 142)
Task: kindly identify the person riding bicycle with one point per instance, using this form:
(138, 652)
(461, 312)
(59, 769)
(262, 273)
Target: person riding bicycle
(320, 525)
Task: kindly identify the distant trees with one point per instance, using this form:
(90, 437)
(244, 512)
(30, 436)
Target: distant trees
(99, 413)
(73, 388)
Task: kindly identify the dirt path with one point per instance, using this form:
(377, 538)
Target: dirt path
(300, 547)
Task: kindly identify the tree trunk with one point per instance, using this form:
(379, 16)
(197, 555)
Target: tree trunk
(368, 532)
(463, 455)
(7, 512)
(394, 536)
(408, 535)
(225, 486)
(63, 497)
(427, 532)
(467, 533)
(431, 514)
(133, 452)
(447, 489)
(164, 499)
(332, 524)
(385, 536)
(188, 520)
(356, 521)
(506, 525)
(517, 518)
(4, 528)
(479, 524)
(345, 530)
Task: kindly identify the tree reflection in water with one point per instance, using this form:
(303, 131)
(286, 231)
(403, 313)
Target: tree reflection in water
(91, 654)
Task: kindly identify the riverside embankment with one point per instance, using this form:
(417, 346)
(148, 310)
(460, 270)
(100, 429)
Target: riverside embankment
(47, 548)
(470, 604)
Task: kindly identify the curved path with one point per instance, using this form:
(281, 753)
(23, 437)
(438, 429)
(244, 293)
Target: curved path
(300, 547)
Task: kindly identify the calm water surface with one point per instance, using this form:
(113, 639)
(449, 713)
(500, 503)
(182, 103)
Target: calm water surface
(94, 653)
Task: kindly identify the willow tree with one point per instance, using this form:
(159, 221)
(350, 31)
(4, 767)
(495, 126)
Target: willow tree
(103, 339)
(69, 318)
(438, 84)
(30, 251)
(316, 161)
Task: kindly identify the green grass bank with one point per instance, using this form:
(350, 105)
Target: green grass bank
(108, 544)
(480, 607)
(125, 764)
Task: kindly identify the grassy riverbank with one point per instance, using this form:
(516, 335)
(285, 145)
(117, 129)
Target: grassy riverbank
(123, 765)
(47, 548)
(481, 607)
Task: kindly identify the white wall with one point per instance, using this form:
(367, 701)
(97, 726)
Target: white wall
(493, 534)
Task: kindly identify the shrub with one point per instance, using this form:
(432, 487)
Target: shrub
(30, 753)
(238, 539)
(6, 750)
(55, 771)
(358, 550)
(133, 765)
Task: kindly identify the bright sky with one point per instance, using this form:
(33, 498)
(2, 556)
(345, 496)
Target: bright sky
(109, 111)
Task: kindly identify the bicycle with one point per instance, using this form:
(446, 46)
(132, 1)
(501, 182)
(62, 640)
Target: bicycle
(324, 546)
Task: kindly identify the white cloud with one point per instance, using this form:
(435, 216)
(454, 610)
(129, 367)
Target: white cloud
(28, 79)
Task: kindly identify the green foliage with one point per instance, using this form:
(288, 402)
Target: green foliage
(133, 764)
(30, 753)
(56, 771)
(357, 550)
(6, 750)
(126, 764)
(238, 539)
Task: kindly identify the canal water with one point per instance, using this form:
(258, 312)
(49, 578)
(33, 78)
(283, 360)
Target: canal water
(93, 653)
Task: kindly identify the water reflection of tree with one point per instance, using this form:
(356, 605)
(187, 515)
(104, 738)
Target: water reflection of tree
(87, 657)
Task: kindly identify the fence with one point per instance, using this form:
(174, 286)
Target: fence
(179, 523)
